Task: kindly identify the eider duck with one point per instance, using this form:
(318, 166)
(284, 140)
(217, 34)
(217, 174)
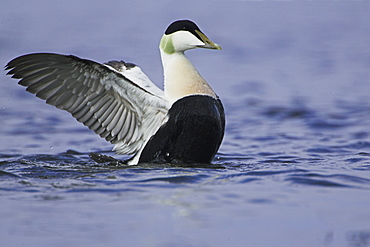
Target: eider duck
(184, 123)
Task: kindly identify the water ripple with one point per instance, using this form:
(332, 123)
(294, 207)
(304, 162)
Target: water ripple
(74, 172)
(334, 180)
(4, 174)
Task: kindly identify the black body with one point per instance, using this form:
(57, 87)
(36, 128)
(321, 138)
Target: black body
(193, 132)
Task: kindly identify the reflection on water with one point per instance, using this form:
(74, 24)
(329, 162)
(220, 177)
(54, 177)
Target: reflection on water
(293, 169)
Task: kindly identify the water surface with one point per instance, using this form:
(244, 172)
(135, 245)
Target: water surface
(294, 167)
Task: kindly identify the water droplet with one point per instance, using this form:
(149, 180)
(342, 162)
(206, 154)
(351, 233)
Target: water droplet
(51, 147)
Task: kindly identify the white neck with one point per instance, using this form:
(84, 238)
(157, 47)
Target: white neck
(181, 78)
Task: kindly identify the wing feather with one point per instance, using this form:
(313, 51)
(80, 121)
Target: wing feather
(104, 105)
(41, 83)
(35, 78)
(117, 122)
(109, 122)
(49, 90)
(118, 103)
(130, 133)
(125, 126)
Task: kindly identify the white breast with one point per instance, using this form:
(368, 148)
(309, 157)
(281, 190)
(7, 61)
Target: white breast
(182, 79)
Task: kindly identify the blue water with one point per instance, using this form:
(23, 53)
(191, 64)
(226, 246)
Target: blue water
(294, 167)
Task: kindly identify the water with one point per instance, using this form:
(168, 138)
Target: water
(293, 169)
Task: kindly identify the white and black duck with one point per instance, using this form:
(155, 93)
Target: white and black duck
(183, 123)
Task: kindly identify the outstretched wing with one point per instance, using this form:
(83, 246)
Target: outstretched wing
(100, 96)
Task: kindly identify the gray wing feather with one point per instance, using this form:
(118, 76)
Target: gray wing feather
(102, 98)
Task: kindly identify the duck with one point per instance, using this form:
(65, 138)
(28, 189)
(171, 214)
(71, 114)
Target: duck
(184, 123)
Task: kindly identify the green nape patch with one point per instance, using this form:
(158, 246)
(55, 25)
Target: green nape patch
(167, 45)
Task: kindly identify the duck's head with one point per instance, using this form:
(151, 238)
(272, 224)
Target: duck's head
(183, 35)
